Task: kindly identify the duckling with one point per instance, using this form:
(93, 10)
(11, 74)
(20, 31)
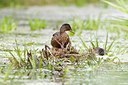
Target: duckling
(99, 51)
(61, 39)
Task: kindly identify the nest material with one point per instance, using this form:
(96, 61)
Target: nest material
(68, 52)
(65, 52)
(51, 53)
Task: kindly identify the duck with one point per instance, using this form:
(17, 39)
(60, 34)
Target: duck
(61, 39)
(100, 51)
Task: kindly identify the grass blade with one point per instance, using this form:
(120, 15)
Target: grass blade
(92, 44)
(105, 46)
(110, 46)
(83, 43)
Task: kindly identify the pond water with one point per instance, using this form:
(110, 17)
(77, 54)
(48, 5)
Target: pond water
(104, 74)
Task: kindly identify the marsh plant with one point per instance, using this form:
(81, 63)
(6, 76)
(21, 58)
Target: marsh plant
(23, 58)
(34, 64)
(38, 59)
(93, 23)
(118, 24)
(14, 3)
(92, 49)
(95, 43)
(7, 24)
(78, 25)
(120, 5)
(37, 24)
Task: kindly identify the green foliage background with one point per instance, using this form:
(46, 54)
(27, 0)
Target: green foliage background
(6, 3)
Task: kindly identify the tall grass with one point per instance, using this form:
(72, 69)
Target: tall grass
(37, 24)
(94, 44)
(93, 24)
(14, 3)
(7, 24)
(34, 65)
(119, 5)
(78, 25)
(118, 24)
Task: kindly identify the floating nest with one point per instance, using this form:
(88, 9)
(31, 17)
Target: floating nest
(48, 55)
(68, 52)
(59, 52)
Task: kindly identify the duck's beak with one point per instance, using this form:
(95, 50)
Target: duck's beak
(72, 32)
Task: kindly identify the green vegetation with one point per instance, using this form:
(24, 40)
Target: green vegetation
(119, 4)
(15, 3)
(118, 24)
(7, 24)
(77, 26)
(36, 59)
(34, 65)
(89, 24)
(37, 24)
(93, 24)
(107, 47)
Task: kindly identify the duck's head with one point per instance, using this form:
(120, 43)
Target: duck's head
(99, 51)
(65, 27)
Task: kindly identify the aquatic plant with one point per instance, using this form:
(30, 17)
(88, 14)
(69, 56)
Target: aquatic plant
(18, 57)
(93, 24)
(37, 24)
(94, 44)
(90, 23)
(119, 5)
(108, 47)
(36, 64)
(38, 59)
(77, 26)
(14, 3)
(118, 24)
(7, 24)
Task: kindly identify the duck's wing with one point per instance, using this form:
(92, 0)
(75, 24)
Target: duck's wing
(56, 37)
(55, 42)
(56, 34)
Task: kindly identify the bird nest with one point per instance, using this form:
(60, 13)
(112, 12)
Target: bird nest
(71, 52)
(59, 52)
(47, 55)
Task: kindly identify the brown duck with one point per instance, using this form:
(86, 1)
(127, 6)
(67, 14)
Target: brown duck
(61, 39)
